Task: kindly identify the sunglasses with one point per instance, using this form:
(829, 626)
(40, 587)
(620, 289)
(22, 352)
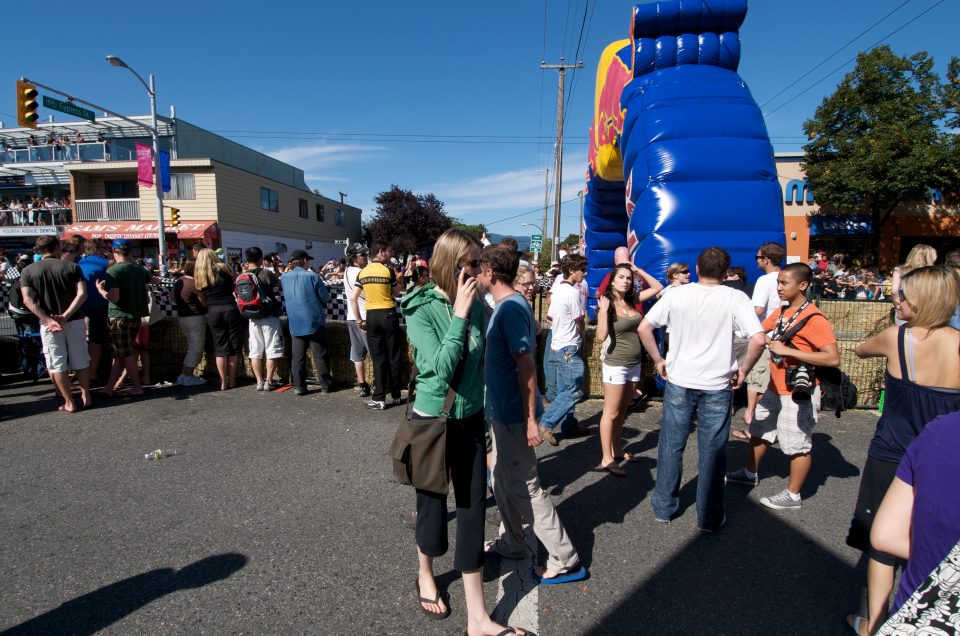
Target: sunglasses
(526, 284)
(900, 295)
(472, 264)
(684, 271)
(759, 257)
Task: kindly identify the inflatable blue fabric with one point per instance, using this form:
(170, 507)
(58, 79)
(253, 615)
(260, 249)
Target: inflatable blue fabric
(697, 161)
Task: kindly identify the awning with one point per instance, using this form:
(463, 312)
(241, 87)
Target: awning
(140, 230)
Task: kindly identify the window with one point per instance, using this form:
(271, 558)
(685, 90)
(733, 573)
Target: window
(182, 187)
(120, 189)
(269, 200)
(320, 211)
(304, 214)
(340, 220)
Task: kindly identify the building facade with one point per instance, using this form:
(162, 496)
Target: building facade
(807, 230)
(226, 195)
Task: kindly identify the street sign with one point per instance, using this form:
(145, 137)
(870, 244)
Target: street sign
(341, 242)
(536, 242)
(68, 108)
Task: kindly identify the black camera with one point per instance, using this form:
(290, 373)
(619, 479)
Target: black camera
(800, 382)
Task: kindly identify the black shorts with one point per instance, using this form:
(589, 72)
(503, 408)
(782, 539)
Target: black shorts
(228, 329)
(874, 483)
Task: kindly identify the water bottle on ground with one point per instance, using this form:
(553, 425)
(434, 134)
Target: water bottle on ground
(160, 453)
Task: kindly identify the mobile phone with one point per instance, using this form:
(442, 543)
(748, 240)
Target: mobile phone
(460, 269)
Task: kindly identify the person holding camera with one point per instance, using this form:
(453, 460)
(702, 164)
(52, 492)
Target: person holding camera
(799, 338)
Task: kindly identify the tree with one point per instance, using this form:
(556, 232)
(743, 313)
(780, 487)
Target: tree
(406, 221)
(875, 143)
(477, 230)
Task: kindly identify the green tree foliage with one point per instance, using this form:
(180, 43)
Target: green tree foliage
(406, 221)
(876, 142)
(477, 230)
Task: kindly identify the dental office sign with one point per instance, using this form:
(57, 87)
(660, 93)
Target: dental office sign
(144, 166)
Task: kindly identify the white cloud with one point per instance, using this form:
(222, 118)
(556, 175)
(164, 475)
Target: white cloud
(493, 196)
(321, 155)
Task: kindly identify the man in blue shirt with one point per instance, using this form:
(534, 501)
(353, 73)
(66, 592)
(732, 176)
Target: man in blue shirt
(511, 382)
(94, 266)
(306, 299)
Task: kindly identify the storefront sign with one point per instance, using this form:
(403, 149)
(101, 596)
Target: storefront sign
(137, 230)
(840, 224)
(31, 230)
(12, 181)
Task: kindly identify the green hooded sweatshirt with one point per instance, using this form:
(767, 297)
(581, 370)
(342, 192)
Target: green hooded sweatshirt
(438, 338)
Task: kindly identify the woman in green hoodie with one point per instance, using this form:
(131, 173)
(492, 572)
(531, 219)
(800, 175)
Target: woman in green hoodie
(445, 325)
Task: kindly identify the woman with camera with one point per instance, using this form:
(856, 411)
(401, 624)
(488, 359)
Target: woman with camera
(445, 326)
(922, 382)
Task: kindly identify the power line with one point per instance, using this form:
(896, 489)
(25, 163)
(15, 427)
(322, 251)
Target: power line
(576, 74)
(854, 59)
(543, 56)
(517, 216)
(835, 53)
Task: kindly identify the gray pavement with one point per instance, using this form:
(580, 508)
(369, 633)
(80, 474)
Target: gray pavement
(279, 515)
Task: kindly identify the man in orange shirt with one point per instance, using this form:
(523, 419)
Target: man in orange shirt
(799, 338)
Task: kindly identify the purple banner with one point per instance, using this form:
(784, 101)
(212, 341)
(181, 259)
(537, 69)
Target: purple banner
(144, 166)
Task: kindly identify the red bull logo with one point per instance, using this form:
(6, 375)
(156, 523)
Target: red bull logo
(612, 76)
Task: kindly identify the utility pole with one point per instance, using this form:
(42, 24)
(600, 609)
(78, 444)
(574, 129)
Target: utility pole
(546, 202)
(558, 169)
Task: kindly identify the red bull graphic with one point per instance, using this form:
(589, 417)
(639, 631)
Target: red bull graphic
(612, 76)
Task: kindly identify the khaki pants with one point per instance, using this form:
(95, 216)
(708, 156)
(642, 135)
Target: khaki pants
(521, 499)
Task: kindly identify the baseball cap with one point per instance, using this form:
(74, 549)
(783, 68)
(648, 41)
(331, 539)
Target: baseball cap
(148, 261)
(300, 255)
(121, 245)
(357, 248)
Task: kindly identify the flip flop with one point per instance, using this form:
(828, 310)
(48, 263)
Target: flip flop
(433, 601)
(568, 577)
(613, 468)
(741, 434)
(628, 457)
(508, 630)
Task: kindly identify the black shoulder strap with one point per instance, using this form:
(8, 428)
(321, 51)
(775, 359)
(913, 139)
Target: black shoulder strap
(794, 330)
(901, 351)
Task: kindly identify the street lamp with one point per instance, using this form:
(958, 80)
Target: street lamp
(541, 236)
(155, 135)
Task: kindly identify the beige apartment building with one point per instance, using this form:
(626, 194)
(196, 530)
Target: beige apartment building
(220, 205)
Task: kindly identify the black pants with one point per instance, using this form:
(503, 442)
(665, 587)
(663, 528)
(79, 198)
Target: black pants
(385, 344)
(467, 465)
(317, 341)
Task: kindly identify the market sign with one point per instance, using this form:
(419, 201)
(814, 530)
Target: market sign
(840, 224)
(140, 231)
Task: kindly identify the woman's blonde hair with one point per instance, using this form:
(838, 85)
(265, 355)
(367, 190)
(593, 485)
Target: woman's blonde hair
(450, 248)
(205, 269)
(673, 270)
(933, 294)
(920, 256)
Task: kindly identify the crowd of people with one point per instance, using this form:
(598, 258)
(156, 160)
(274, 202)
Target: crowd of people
(468, 314)
(34, 211)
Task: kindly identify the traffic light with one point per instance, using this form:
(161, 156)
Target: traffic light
(27, 105)
(174, 216)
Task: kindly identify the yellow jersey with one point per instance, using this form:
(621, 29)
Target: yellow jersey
(377, 281)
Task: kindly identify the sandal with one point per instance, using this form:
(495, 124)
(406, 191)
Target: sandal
(613, 468)
(432, 601)
(855, 622)
(508, 630)
(627, 457)
(741, 434)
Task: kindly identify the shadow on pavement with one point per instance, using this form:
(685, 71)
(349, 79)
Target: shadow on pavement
(101, 608)
(758, 576)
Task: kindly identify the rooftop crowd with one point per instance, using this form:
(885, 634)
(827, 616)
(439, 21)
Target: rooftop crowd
(467, 313)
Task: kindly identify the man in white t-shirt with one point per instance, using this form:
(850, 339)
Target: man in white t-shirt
(766, 300)
(567, 313)
(700, 371)
(549, 366)
(357, 260)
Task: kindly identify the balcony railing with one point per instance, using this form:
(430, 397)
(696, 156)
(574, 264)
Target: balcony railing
(107, 209)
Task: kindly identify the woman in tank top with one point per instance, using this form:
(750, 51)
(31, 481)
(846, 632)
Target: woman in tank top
(922, 382)
(619, 321)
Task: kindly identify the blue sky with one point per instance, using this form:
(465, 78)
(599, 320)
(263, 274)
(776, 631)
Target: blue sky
(443, 97)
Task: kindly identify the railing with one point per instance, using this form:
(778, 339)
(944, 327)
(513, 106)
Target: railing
(107, 210)
(91, 151)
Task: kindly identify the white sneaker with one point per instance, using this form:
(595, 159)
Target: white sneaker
(782, 501)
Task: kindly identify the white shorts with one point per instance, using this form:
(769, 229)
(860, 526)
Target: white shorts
(66, 349)
(266, 336)
(620, 375)
(779, 417)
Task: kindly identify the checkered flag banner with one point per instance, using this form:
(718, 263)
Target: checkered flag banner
(12, 273)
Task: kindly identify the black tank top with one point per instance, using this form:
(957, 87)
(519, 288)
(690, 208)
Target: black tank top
(908, 407)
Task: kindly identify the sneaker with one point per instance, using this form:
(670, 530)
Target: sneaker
(193, 380)
(364, 390)
(395, 402)
(261, 386)
(723, 522)
(548, 436)
(662, 522)
(740, 476)
(782, 501)
(300, 392)
(182, 380)
(377, 404)
(272, 385)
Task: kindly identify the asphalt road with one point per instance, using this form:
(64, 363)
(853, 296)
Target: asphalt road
(279, 515)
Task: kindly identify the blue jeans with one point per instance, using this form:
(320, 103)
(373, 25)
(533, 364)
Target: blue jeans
(713, 427)
(569, 369)
(549, 370)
